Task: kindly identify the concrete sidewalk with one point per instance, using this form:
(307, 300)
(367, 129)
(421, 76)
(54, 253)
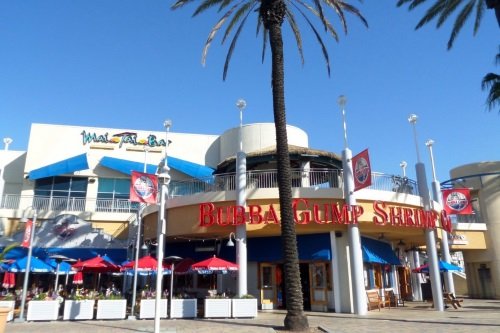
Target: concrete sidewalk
(475, 316)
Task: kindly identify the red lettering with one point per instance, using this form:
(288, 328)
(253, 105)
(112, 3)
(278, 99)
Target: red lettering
(356, 212)
(254, 215)
(305, 215)
(446, 222)
(378, 208)
(271, 215)
(408, 217)
(239, 215)
(395, 216)
(206, 212)
(224, 216)
(316, 214)
(339, 218)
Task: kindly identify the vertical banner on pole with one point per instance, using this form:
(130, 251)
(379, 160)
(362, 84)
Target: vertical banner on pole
(27, 234)
(362, 170)
(457, 201)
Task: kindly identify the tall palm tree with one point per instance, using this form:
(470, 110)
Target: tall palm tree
(492, 82)
(442, 9)
(270, 16)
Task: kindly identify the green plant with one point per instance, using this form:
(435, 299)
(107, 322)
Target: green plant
(40, 297)
(247, 296)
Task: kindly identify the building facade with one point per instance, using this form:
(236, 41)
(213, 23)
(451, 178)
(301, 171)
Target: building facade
(77, 179)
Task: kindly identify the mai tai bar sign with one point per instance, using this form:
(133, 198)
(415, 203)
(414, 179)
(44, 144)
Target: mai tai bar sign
(328, 213)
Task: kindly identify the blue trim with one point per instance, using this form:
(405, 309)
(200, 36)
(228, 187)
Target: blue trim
(378, 252)
(114, 255)
(69, 165)
(189, 168)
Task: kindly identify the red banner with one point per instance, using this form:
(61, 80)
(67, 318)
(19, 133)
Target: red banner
(457, 201)
(362, 170)
(143, 187)
(27, 234)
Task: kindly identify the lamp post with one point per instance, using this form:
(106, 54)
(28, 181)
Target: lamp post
(241, 184)
(172, 260)
(7, 142)
(28, 234)
(146, 151)
(357, 277)
(161, 228)
(437, 293)
(136, 260)
(445, 249)
(403, 165)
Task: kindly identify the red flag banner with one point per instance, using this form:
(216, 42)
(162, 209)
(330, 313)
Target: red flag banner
(362, 170)
(457, 201)
(143, 187)
(27, 234)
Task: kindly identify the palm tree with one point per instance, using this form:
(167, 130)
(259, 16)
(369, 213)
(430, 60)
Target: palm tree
(442, 9)
(492, 82)
(270, 16)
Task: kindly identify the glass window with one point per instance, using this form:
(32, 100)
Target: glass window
(68, 187)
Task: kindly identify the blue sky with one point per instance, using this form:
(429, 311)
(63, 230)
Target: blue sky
(131, 64)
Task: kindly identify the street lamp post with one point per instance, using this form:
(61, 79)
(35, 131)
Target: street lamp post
(445, 249)
(437, 293)
(357, 277)
(403, 165)
(241, 184)
(161, 229)
(136, 260)
(28, 260)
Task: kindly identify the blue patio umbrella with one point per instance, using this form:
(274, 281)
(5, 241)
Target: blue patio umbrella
(36, 266)
(64, 267)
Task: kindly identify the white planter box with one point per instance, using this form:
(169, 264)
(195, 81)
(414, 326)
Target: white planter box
(244, 307)
(8, 304)
(78, 310)
(111, 308)
(43, 310)
(184, 308)
(148, 308)
(217, 308)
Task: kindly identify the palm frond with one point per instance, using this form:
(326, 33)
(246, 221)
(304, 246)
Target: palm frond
(180, 3)
(448, 9)
(330, 27)
(479, 15)
(296, 33)
(236, 17)
(232, 46)
(207, 4)
(460, 21)
(353, 10)
(431, 13)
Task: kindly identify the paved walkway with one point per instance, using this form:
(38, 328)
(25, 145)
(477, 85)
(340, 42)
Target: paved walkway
(475, 316)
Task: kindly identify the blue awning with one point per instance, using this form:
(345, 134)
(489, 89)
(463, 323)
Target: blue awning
(116, 255)
(66, 166)
(378, 252)
(125, 166)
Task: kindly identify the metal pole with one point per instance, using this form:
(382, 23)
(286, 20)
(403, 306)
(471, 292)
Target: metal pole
(445, 248)
(164, 178)
(241, 229)
(57, 275)
(171, 290)
(136, 261)
(356, 256)
(27, 271)
(423, 190)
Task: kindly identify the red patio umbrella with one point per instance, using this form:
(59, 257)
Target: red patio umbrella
(184, 266)
(78, 278)
(214, 264)
(146, 263)
(96, 265)
(9, 280)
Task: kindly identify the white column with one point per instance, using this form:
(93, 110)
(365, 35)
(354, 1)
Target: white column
(356, 256)
(241, 230)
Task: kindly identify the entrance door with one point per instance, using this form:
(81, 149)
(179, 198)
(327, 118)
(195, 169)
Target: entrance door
(318, 282)
(268, 286)
(404, 275)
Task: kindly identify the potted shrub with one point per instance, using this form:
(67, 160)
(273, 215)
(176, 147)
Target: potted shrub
(217, 307)
(111, 306)
(245, 306)
(79, 307)
(43, 307)
(8, 303)
(147, 305)
(183, 307)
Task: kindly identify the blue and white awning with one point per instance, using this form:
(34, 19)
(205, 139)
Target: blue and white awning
(378, 252)
(69, 165)
(126, 166)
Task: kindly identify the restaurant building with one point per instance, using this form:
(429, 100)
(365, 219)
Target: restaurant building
(77, 179)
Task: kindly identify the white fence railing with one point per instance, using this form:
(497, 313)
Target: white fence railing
(313, 178)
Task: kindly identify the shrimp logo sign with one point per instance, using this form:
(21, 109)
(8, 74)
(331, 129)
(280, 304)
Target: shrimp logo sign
(362, 170)
(143, 187)
(457, 201)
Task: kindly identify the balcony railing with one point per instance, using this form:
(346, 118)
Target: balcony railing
(313, 178)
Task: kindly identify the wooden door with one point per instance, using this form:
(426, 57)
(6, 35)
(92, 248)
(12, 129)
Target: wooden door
(318, 286)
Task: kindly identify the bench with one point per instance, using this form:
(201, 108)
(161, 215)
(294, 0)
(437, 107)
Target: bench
(393, 299)
(373, 299)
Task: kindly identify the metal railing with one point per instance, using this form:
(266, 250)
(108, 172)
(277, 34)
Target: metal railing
(313, 178)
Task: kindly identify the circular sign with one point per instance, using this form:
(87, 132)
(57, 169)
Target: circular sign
(144, 187)
(457, 201)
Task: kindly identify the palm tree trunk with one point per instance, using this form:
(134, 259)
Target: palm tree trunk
(295, 319)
